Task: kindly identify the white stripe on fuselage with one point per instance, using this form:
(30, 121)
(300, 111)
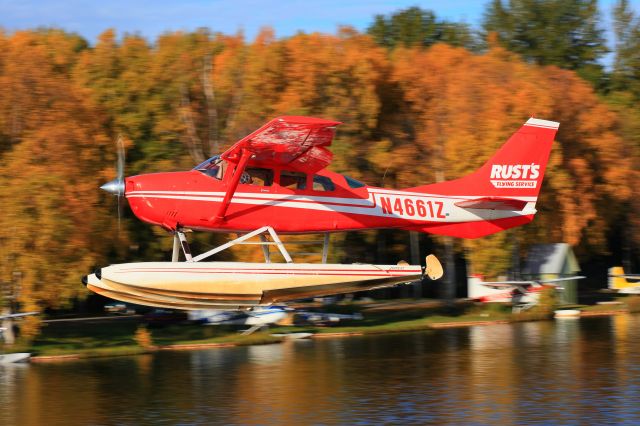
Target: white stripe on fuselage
(407, 205)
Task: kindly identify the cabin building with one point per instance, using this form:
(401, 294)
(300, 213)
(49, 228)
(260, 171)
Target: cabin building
(549, 261)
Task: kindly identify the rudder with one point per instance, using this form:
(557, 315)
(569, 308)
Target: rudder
(617, 281)
(515, 170)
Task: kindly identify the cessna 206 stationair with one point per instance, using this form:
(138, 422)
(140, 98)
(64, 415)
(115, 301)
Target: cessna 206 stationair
(274, 181)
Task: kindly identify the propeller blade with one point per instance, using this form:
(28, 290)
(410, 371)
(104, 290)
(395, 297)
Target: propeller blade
(120, 174)
(120, 159)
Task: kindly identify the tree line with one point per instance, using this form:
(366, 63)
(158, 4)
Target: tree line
(421, 99)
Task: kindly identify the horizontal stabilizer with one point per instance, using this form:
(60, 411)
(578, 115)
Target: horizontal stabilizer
(536, 283)
(493, 203)
(502, 285)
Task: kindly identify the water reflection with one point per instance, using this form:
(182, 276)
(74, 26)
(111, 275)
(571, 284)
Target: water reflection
(576, 371)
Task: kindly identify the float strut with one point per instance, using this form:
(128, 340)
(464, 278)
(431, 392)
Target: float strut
(185, 245)
(175, 256)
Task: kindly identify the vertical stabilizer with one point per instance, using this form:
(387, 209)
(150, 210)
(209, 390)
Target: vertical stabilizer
(617, 281)
(515, 171)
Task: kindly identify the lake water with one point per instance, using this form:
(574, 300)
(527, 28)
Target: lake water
(584, 371)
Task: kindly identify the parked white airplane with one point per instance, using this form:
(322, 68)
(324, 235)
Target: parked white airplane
(623, 283)
(517, 292)
(258, 317)
(7, 334)
(320, 318)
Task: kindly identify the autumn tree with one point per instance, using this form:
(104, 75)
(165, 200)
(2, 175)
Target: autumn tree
(626, 64)
(565, 33)
(184, 103)
(464, 106)
(413, 27)
(417, 113)
(623, 99)
(53, 220)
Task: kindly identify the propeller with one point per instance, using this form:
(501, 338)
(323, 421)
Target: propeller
(116, 186)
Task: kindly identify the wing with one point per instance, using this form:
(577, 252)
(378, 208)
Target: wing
(552, 281)
(626, 276)
(503, 285)
(22, 314)
(296, 142)
(524, 284)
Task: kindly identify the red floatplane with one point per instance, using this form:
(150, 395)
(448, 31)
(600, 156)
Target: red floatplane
(274, 181)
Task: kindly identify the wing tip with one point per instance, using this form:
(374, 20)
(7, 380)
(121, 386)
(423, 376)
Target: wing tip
(302, 119)
(545, 124)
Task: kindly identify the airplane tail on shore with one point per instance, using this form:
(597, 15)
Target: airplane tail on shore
(619, 281)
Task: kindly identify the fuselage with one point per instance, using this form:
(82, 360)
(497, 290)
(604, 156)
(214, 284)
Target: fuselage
(275, 180)
(295, 202)
(277, 176)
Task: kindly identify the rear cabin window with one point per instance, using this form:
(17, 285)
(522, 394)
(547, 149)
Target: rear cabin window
(293, 180)
(322, 183)
(354, 183)
(257, 176)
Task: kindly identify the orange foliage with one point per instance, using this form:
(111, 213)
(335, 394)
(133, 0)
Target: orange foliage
(414, 115)
(464, 106)
(54, 161)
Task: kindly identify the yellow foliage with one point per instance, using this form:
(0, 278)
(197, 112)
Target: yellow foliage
(52, 163)
(143, 337)
(414, 115)
(464, 106)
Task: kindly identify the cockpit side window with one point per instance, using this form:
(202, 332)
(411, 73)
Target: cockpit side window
(353, 183)
(293, 180)
(213, 167)
(257, 176)
(323, 183)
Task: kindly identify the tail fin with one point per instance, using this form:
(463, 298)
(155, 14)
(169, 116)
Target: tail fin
(516, 170)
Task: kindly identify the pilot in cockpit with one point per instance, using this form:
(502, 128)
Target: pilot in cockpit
(245, 178)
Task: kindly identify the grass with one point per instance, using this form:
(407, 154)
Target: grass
(89, 338)
(632, 303)
(603, 308)
(400, 319)
(627, 303)
(124, 336)
(189, 334)
(116, 338)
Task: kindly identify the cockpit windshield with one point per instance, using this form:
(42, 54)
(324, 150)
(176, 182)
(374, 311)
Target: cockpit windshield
(212, 167)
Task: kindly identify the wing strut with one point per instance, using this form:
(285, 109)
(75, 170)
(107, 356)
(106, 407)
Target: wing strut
(235, 179)
(175, 255)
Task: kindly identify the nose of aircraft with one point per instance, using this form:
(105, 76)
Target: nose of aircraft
(115, 187)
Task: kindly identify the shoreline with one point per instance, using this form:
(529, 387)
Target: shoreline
(391, 327)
